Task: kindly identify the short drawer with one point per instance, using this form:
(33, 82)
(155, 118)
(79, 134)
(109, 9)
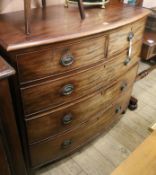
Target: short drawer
(62, 59)
(120, 39)
(44, 126)
(54, 93)
(63, 145)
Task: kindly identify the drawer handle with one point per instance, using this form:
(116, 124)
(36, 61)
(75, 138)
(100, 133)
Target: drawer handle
(127, 61)
(66, 143)
(67, 89)
(67, 60)
(130, 39)
(118, 109)
(130, 36)
(123, 86)
(67, 119)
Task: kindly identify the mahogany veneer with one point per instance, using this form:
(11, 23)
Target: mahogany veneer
(11, 157)
(74, 78)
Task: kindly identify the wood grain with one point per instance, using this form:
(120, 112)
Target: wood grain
(47, 62)
(51, 123)
(102, 75)
(48, 26)
(121, 36)
(11, 156)
(53, 149)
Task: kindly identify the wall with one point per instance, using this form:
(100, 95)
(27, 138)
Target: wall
(14, 5)
(149, 3)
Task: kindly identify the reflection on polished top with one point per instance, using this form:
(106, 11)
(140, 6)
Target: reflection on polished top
(57, 23)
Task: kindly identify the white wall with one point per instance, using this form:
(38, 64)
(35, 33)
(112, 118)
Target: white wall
(15, 5)
(149, 3)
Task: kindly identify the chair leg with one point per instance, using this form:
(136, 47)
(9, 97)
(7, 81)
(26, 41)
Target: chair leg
(66, 3)
(43, 3)
(27, 14)
(81, 9)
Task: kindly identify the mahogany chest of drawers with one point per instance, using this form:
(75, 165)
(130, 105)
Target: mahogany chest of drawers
(74, 78)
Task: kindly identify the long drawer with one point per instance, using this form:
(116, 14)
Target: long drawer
(49, 124)
(62, 145)
(53, 93)
(119, 39)
(61, 59)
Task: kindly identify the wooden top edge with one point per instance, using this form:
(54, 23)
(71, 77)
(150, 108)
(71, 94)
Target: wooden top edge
(5, 69)
(52, 33)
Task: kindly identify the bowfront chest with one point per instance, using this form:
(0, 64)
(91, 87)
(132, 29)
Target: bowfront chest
(74, 78)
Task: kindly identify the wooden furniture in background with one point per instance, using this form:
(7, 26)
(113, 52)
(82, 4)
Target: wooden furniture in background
(142, 161)
(148, 52)
(64, 94)
(27, 12)
(11, 157)
(149, 45)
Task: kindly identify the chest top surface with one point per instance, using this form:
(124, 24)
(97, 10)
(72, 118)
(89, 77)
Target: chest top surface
(56, 23)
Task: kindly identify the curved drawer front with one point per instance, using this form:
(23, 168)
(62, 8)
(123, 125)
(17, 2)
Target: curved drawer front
(50, 94)
(59, 60)
(60, 146)
(119, 39)
(46, 125)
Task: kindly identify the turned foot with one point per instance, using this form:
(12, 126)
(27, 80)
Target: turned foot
(133, 104)
(123, 112)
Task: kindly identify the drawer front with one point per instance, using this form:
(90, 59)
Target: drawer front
(47, 125)
(56, 61)
(120, 39)
(61, 146)
(54, 93)
(48, 95)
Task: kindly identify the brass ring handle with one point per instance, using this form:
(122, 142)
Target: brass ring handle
(67, 89)
(123, 86)
(67, 60)
(67, 119)
(66, 143)
(118, 109)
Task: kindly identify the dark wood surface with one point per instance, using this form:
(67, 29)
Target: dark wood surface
(84, 83)
(54, 24)
(4, 165)
(5, 69)
(78, 137)
(9, 136)
(149, 45)
(46, 62)
(36, 88)
(49, 124)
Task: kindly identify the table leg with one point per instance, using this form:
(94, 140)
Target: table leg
(27, 13)
(81, 9)
(43, 3)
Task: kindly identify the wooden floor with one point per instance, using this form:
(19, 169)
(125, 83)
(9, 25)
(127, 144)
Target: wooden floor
(103, 155)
